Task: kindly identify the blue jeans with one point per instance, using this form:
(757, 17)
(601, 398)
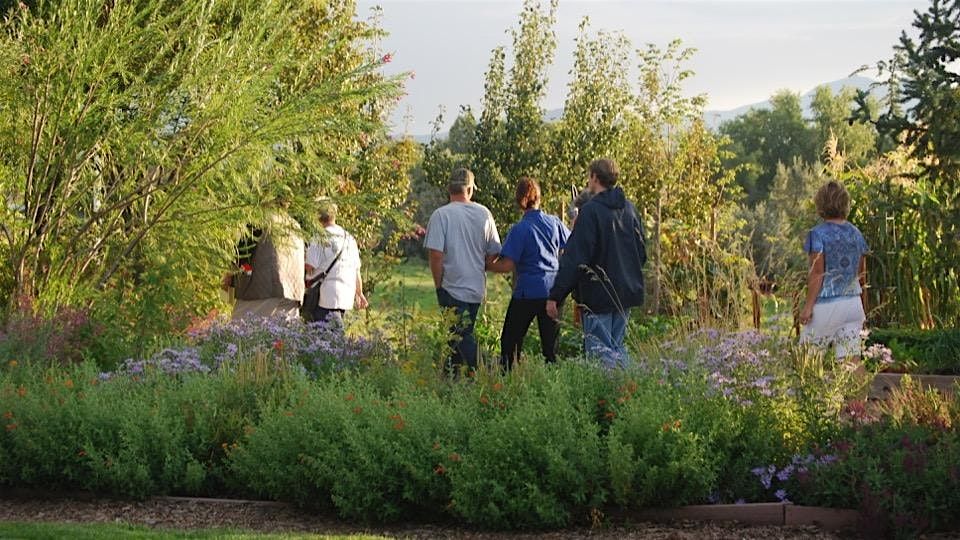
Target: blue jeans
(462, 341)
(603, 335)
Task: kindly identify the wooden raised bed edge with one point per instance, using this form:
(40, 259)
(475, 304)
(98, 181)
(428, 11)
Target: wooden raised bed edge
(778, 514)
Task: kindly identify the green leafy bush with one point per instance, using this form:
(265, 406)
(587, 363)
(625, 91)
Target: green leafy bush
(536, 459)
(923, 351)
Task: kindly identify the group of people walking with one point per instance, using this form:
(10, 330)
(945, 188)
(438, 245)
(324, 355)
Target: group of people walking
(598, 260)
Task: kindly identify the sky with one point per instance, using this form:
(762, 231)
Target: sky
(745, 50)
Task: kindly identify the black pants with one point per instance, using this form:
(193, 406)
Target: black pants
(520, 313)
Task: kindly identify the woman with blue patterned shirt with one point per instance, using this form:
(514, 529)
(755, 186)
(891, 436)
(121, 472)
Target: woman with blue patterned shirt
(834, 311)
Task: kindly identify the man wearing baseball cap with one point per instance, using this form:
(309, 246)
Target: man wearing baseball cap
(461, 238)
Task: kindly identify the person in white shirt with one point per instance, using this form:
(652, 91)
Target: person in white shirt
(334, 261)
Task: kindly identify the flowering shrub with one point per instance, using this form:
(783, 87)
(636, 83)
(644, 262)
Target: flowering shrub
(62, 338)
(248, 411)
(317, 347)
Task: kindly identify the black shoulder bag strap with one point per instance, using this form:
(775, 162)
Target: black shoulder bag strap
(323, 275)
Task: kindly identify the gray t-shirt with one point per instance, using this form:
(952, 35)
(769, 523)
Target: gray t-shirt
(466, 234)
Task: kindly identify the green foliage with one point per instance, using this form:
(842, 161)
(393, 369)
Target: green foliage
(777, 225)
(536, 461)
(902, 478)
(835, 129)
(923, 111)
(908, 222)
(653, 459)
(926, 351)
(138, 140)
(762, 139)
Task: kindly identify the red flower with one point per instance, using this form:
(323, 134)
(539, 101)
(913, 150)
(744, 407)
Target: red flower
(440, 470)
(278, 345)
(247, 268)
(386, 58)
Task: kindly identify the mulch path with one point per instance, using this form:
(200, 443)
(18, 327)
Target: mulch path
(259, 517)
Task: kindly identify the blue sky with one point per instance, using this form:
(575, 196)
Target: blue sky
(746, 50)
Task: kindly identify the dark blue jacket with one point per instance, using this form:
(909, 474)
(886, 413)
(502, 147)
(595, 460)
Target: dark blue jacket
(604, 257)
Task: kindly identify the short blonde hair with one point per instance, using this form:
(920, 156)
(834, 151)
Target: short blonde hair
(833, 201)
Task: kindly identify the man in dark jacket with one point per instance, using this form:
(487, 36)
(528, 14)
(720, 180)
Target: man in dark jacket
(603, 261)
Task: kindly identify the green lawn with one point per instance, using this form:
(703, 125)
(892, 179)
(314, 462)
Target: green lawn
(36, 531)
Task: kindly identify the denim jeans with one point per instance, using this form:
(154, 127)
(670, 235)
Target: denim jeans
(603, 335)
(462, 341)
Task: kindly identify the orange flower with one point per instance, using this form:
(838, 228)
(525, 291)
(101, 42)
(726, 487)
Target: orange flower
(11, 427)
(610, 415)
(399, 425)
(8, 415)
(602, 402)
(288, 413)
(484, 400)
(21, 391)
(454, 457)
(357, 410)
(12, 363)
(68, 383)
(497, 387)
(348, 397)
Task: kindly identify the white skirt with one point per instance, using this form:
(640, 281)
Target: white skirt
(836, 323)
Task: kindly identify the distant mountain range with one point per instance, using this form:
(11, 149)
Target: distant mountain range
(714, 118)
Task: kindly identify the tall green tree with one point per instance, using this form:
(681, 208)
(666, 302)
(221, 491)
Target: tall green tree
(919, 204)
(137, 139)
(512, 137)
(597, 112)
(763, 138)
(832, 121)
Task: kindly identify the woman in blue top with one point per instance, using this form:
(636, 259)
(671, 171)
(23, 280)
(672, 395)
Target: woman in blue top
(834, 311)
(531, 251)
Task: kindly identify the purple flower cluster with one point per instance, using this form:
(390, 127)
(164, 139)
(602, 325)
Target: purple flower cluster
(169, 361)
(318, 347)
(799, 466)
(880, 353)
(739, 365)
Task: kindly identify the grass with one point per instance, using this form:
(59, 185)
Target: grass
(409, 289)
(85, 531)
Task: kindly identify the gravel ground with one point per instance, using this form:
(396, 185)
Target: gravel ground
(267, 517)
